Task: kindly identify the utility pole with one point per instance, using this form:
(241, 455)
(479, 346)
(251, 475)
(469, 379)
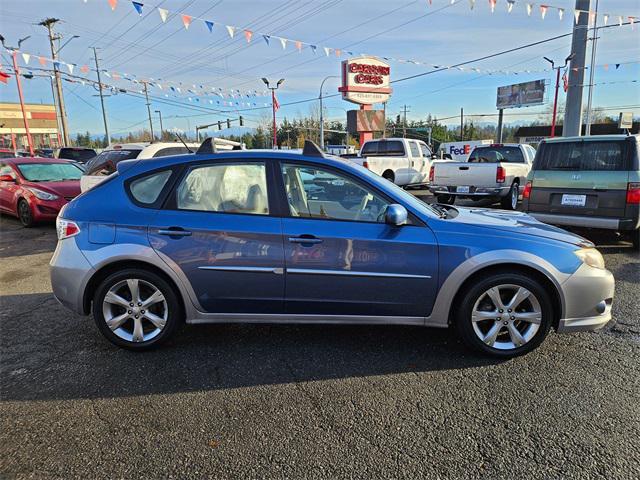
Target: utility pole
(573, 109)
(594, 41)
(161, 128)
(104, 112)
(49, 23)
(146, 95)
(16, 70)
(500, 118)
(461, 124)
(404, 121)
(555, 97)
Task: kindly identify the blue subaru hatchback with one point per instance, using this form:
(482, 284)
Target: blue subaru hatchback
(255, 236)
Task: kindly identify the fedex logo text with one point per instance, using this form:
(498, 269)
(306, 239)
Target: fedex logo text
(465, 150)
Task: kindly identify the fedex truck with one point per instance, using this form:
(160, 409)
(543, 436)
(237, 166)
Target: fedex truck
(459, 151)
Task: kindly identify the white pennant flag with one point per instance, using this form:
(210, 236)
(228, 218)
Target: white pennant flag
(327, 51)
(510, 4)
(231, 30)
(606, 18)
(472, 3)
(70, 67)
(529, 8)
(283, 42)
(620, 20)
(576, 14)
(560, 13)
(26, 57)
(163, 14)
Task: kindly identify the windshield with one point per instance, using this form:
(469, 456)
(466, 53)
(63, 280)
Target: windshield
(79, 154)
(496, 154)
(49, 172)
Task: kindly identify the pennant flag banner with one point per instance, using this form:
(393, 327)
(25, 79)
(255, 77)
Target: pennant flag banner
(248, 34)
(209, 25)
(186, 20)
(163, 14)
(283, 42)
(299, 45)
(84, 69)
(113, 4)
(138, 6)
(267, 39)
(231, 30)
(26, 57)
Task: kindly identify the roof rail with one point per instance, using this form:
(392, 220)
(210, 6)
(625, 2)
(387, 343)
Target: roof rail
(208, 146)
(311, 149)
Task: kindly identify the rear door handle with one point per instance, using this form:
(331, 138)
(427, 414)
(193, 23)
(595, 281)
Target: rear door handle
(174, 232)
(305, 239)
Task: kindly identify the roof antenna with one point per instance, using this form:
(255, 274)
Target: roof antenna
(311, 149)
(208, 146)
(183, 142)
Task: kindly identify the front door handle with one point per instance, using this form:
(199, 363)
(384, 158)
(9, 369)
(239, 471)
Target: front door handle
(305, 239)
(174, 232)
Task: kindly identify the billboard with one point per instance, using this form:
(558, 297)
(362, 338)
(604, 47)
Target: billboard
(365, 80)
(365, 121)
(521, 95)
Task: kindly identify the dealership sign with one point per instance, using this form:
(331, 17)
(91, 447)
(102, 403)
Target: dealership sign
(365, 80)
(521, 95)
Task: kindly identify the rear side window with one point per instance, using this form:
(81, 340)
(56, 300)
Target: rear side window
(105, 163)
(596, 155)
(147, 189)
(496, 154)
(165, 152)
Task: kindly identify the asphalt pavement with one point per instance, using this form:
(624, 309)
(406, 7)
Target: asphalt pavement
(258, 401)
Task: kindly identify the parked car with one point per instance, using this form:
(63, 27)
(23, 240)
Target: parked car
(104, 164)
(255, 236)
(76, 154)
(35, 189)
(45, 152)
(7, 153)
(496, 172)
(402, 161)
(591, 182)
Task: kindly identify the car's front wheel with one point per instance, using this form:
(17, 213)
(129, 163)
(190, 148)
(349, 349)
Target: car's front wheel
(24, 213)
(136, 309)
(504, 315)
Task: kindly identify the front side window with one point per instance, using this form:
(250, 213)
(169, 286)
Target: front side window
(235, 188)
(316, 193)
(147, 189)
(426, 152)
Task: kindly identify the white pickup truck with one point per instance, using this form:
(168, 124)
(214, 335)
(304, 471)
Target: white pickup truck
(403, 161)
(495, 172)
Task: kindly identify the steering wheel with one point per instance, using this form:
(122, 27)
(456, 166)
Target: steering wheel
(363, 205)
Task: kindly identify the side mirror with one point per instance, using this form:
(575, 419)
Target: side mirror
(396, 215)
(7, 178)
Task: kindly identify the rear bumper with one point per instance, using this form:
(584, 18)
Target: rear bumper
(588, 296)
(606, 223)
(474, 191)
(70, 272)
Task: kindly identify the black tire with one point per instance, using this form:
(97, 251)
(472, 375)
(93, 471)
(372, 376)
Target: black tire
(24, 213)
(634, 238)
(446, 199)
(463, 314)
(175, 315)
(389, 175)
(510, 202)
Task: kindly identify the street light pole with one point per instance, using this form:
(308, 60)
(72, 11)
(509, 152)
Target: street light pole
(321, 110)
(594, 41)
(273, 107)
(146, 96)
(160, 116)
(555, 97)
(104, 112)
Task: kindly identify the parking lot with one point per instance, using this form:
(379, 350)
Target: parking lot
(307, 401)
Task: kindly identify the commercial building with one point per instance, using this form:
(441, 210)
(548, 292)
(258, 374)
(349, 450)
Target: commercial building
(533, 135)
(43, 126)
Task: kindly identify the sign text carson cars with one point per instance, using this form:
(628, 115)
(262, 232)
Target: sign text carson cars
(365, 80)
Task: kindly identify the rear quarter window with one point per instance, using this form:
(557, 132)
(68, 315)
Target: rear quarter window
(583, 155)
(146, 190)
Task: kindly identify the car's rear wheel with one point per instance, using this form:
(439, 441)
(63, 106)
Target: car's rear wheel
(510, 202)
(389, 175)
(504, 315)
(24, 213)
(446, 199)
(136, 309)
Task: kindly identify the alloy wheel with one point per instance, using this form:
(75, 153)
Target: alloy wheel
(506, 317)
(135, 310)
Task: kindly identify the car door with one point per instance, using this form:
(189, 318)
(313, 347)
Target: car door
(342, 259)
(8, 189)
(218, 229)
(416, 162)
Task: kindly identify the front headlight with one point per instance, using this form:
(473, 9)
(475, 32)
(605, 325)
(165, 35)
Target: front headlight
(591, 257)
(41, 194)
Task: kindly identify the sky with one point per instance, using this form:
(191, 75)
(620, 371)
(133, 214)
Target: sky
(439, 33)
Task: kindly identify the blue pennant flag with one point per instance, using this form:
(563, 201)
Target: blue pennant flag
(209, 25)
(313, 48)
(138, 6)
(267, 38)
(56, 65)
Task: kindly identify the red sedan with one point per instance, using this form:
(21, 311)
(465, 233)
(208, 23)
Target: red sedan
(35, 189)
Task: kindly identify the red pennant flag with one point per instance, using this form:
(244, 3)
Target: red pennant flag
(248, 34)
(113, 4)
(276, 104)
(186, 20)
(299, 45)
(42, 60)
(84, 69)
(4, 78)
(606, 66)
(338, 52)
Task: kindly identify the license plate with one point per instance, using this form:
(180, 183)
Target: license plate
(462, 189)
(574, 200)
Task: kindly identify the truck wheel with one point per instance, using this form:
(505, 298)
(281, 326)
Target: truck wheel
(510, 202)
(446, 199)
(389, 175)
(634, 238)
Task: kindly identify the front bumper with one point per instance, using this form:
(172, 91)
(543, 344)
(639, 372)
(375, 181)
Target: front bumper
(588, 296)
(473, 191)
(46, 210)
(70, 272)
